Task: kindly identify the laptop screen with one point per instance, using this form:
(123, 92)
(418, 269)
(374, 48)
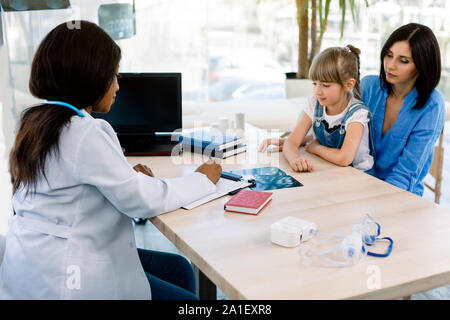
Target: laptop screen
(146, 103)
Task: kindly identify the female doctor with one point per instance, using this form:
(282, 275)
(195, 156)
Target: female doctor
(75, 194)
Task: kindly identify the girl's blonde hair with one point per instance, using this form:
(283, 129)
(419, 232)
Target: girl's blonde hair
(337, 64)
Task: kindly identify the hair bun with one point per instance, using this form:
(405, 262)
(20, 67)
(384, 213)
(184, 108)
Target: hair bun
(353, 49)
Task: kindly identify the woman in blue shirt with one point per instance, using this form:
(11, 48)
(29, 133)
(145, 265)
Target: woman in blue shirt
(407, 111)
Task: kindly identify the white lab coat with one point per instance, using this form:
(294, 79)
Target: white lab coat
(74, 238)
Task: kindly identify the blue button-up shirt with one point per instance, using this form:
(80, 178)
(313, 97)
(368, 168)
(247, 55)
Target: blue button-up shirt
(404, 155)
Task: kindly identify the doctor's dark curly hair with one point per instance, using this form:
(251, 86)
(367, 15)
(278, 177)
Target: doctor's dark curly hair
(74, 65)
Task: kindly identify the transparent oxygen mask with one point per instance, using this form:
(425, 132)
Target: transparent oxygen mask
(336, 250)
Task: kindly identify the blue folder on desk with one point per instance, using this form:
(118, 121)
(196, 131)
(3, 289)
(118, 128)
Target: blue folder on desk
(269, 178)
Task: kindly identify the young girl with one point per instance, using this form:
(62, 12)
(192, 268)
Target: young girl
(340, 120)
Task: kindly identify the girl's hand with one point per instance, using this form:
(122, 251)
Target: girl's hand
(301, 164)
(211, 170)
(277, 142)
(144, 169)
(313, 146)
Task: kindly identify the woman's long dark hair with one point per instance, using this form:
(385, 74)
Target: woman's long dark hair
(76, 66)
(426, 55)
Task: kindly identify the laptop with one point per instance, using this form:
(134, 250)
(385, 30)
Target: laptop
(146, 112)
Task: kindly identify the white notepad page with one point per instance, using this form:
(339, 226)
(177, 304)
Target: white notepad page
(223, 187)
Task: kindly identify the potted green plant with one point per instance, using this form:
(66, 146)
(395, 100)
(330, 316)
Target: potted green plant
(312, 21)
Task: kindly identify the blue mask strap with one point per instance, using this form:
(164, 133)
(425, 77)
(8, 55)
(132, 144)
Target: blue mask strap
(379, 228)
(65, 104)
(382, 255)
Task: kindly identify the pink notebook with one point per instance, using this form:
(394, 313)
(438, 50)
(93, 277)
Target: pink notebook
(248, 201)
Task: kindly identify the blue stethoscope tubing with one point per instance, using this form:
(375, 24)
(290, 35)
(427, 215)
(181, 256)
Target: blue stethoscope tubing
(65, 104)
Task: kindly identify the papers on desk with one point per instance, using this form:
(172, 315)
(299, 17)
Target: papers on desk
(223, 187)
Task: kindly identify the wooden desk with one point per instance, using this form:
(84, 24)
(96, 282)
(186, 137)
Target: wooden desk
(235, 252)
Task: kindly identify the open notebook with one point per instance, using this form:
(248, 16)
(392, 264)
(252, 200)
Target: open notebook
(223, 187)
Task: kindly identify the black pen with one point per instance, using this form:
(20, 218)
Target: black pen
(232, 193)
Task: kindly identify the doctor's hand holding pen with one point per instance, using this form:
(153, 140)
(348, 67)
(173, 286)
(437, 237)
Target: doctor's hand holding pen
(211, 169)
(144, 169)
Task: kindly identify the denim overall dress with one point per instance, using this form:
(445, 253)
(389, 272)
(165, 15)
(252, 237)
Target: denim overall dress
(335, 138)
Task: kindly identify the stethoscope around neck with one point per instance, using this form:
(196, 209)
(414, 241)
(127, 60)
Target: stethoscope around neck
(67, 105)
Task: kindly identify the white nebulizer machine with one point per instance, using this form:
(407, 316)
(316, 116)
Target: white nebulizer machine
(335, 250)
(291, 231)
